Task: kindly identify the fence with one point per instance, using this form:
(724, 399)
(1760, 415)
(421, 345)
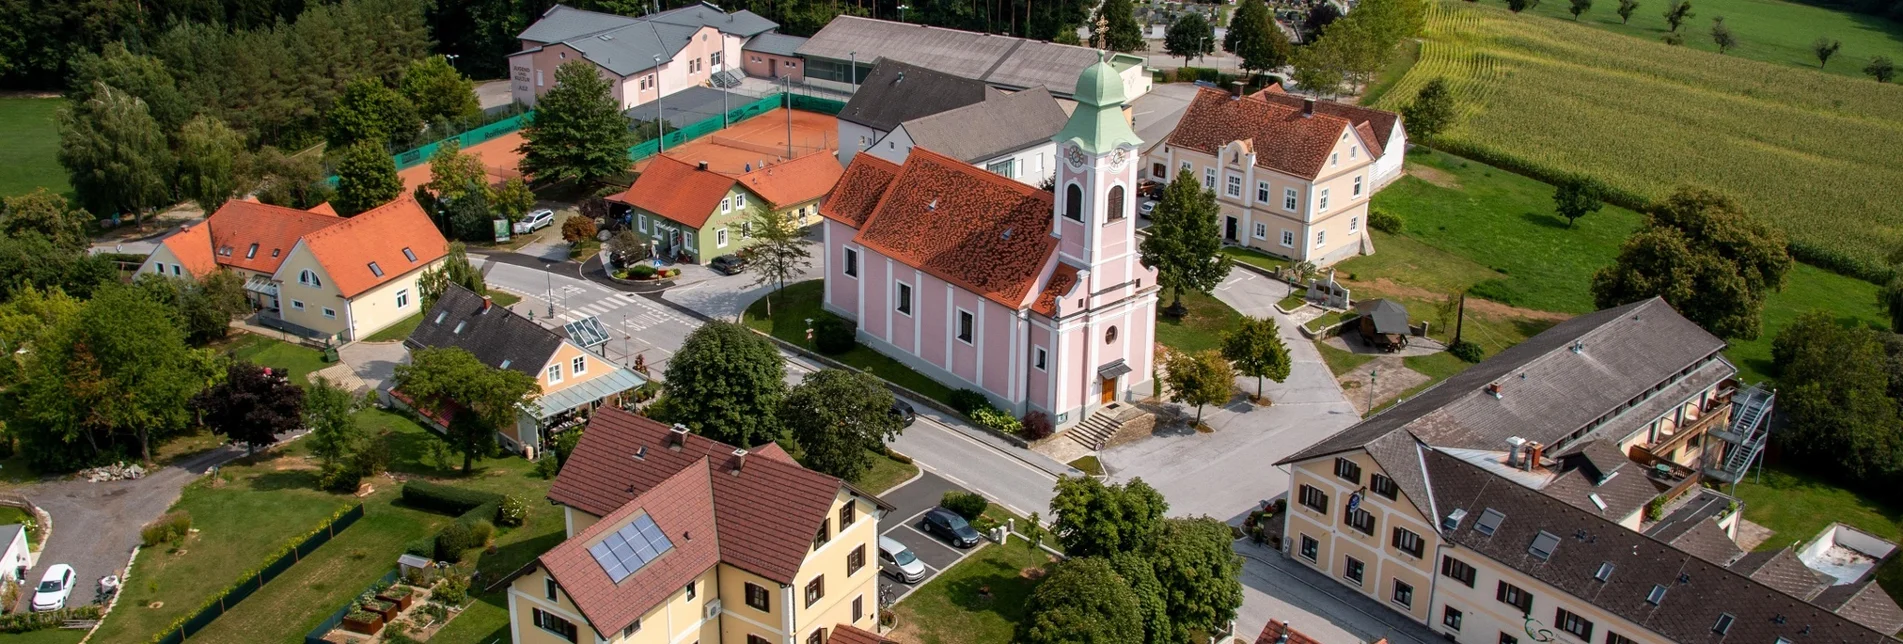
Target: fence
(713, 124)
(316, 636)
(255, 580)
(415, 156)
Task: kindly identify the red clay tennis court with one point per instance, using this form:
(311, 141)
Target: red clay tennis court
(757, 141)
(498, 157)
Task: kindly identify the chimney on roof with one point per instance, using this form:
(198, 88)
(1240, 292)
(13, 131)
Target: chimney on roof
(739, 460)
(1514, 445)
(703, 166)
(1308, 106)
(1235, 89)
(1494, 390)
(1533, 452)
(486, 303)
(677, 437)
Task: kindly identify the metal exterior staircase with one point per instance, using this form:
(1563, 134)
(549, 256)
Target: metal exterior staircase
(726, 79)
(1749, 430)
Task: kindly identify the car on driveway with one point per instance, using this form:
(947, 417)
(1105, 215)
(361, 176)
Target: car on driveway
(1146, 209)
(728, 264)
(947, 525)
(55, 586)
(903, 411)
(899, 561)
(534, 221)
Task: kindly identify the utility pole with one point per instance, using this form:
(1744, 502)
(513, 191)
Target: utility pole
(1373, 373)
(660, 116)
(1460, 318)
(548, 281)
(787, 82)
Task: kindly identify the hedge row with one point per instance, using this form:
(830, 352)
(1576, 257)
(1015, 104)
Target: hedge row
(477, 515)
(251, 576)
(29, 622)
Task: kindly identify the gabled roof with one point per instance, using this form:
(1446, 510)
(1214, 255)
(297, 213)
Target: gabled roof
(495, 335)
(1285, 140)
(1003, 61)
(1388, 316)
(777, 44)
(678, 190)
(192, 246)
(682, 506)
(1063, 277)
(849, 634)
(1275, 630)
(766, 513)
(274, 229)
(895, 92)
(626, 45)
(396, 237)
(992, 127)
(858, 191)
(797, 181)
(1380, 122)
(979, 230)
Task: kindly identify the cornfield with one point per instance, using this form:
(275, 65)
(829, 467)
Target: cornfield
(1811, 153)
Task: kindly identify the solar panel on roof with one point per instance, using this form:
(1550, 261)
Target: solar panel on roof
(627, 550)
(587, 331)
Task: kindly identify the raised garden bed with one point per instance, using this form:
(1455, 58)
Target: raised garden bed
(364, 622)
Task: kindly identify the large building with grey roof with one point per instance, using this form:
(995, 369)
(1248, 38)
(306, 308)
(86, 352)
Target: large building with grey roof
(644, 58)
(1552, 493)
(1005, 62)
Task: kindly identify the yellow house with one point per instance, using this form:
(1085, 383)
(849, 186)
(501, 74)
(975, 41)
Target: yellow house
(689, 211)
(311, 272)
(674, 537)
(574, 378)
(1532, 498)
(1291, 181)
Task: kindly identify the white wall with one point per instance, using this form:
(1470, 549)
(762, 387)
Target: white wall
(851, 136)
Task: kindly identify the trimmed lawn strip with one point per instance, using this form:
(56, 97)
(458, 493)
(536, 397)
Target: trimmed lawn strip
(802, 300)
(1255, 258)
(49, 636)
(885, 474)
(29, 147)
(1089, 464)
(300, 360)
(397, 332)
(1293, 301)
(949, 610)
(1201, 329)
(504, 298)
(486, 620)
(1341, 362)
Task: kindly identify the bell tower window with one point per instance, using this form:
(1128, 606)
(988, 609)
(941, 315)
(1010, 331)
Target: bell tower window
(1116, 203)
(1074, 202)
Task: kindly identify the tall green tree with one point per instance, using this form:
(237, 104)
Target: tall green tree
(455, 270)
(366, 178)
(1091, 518)
(1121, 31)
(1190, 37)
(485, 398)
(1319, 68)
(46, 213)
(1257, 350)
(1255, 38)
(578, 133)
(23, 317)
(115, 154)
(1082, 601)
(726, 383)
(1722, 36)
(1890, 300)
(454, 174)
(1199, 379)
(512, 198)
(1432, 110)
(1136, 570)
(438, 92)
(293, 181)
(252, 405)
(778, 251)
(1579, 7)
(1200, 573)
(211, 162)
(329, 412)
(1704, 256)
(1677, 13)
(1833, 393)
(139, 75)
(839, 418)
(30, 260)
(1185, 245)
(1577, 196)
(369, 111)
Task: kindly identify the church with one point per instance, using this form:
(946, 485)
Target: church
(1039, 301)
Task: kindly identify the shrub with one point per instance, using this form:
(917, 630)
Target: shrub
(453, 589)
(577, 229)
(965, 401)
(889, 453)
(460, 536)
(966, 504)
(512, 511)
(641, 271)
(340, 477)
(424, 547)
(1467, 351)
(546, 467)
(171, 527)
(28, 622)
(1384, 221)
(833, 336)
(996, 419)
(1037, 426)
(444, 499)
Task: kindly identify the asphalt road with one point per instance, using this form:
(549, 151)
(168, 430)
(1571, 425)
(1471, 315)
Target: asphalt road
(911, 500)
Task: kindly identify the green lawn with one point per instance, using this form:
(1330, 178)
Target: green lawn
(1807, 288)
(1796, 505)
(1201, 329)
(272, 352)
(397, 332)
(49, 636)
(29, 143)
(504, 298)
(1396, 68)
(10, 515)
(1089, 465)
(885, 474)
(485, 621)
(801, 301)
(950, 610)
(1254, 257)
(1772, 31)
(1293, 301)
(1339, 361)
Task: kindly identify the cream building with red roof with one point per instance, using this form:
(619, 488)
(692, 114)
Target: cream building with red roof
(311, 272)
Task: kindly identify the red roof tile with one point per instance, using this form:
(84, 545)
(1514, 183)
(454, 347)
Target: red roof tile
(677, 190)
(1272, 633)
(682, 506)
(192, 246)
(849, 634)
(858, 190)
(797, 181)
(378, 235)
(275, 229)
(1061, 280)
(324, 209)
(766, 514)
(1382, 121)
(977, 229)
(1285, 140)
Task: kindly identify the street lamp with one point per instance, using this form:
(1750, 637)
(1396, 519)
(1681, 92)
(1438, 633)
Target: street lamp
(902, 9)
(548, 280)
(660, 117)
(451, 58)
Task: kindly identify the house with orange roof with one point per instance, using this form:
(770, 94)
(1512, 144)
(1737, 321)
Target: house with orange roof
(690, 212)
(311, 272)
(675, 537)
(1039, 301)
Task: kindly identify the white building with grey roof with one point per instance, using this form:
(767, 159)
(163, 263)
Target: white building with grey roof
(643, 58)
(1004, 62)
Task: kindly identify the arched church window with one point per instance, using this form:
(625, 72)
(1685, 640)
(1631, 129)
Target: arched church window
(1074, 202)
(1116, 203)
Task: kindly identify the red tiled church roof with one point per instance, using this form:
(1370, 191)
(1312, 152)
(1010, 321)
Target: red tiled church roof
(1285, 140)
(797, 181)
(677, 190)
(977, 229)
(858, 190)
(377, 235)
(1061, 280)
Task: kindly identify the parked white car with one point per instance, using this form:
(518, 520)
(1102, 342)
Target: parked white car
(534, 221)
(55, 586)
(900, 562)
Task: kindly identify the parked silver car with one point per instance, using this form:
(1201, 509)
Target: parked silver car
(897, 560)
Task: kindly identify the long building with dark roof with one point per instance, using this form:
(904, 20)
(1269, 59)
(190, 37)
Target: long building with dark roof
(1551, 493)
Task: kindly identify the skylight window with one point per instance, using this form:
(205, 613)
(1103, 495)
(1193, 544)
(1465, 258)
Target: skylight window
(505, 364)
(1544, 544)
(409, 254)
(1489, 521)
(376, 270)
(1657, 595)
(1724, 623)
(630, 548)
(440, 315)
(1605, 571)
(459, 326)
(274, 252)
(251, 252)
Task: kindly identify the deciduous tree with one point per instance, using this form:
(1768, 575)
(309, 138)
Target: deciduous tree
(1824, 48)
(1890, 300)
(456, 270)
(1091, 518)
(366, 178)
(115, 154)
(1677, 13)
(578, 229)
(1200, 573)
(1199, 379)
(1257, 350)
(484, 398)
(1579, 7)
(511, 199)
(139, 75)
(1184, 244)
(1626, 9)
(454, 174)
(1702, 254)
(1082, 601)
(252, 405)
(211, 162)
(1881, 69)
(1721, 35)
(726, 383)
(292, 181)
(46, 213)
(329, 413)
(438, 92)
(578, 133)
(778, 251)
(1122, 33)
(371, 112)
(1189, 37)
(1833, 393)
(1255, 38)
(1577, 196)
(839, 418)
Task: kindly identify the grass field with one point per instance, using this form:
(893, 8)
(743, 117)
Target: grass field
(29, 143)
(1550, 97)
(1772, 31)
(801, 301)
(950, 610)
(272, 352)
(1201, 329)
(1797, 505)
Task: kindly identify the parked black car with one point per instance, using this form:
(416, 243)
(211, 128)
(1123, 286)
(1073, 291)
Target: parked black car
(904, 412)
(949, 526)
(728, 264)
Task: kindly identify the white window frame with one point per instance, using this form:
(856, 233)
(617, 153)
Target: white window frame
(720, 237)
(641, 222)
(1357, 185)
(746, 230)
(850, 266)
(1261, 230)
(579, 365)
(1209, 178)
(1041, 359)
(297, 305)
(1288, 238)
(739, 200)
(538, 78)
(309, 278)
(726, 205)
(1262, 191)
(1354, 223)
(906, 304)
(403, 298)
(1290, 199)
(330, 313)
(1321, 238)
(958, 323)
(1233, 186)
(1334, 159)
(1187, 167)
(1354, 151)
(178, 270)
(554, 373)
(1321, 203)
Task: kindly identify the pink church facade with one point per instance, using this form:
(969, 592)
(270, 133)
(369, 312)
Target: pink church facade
(980, 282)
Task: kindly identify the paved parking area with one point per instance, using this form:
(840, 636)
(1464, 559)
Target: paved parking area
(902, 525)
